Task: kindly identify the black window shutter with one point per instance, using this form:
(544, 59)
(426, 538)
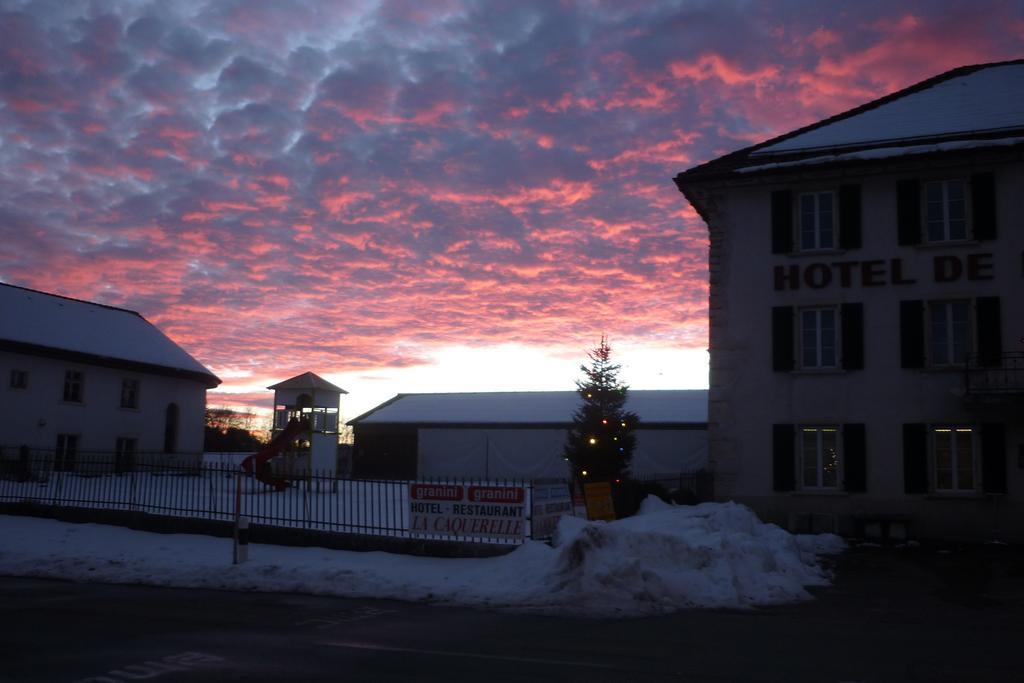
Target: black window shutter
(855, 458)
(849, 217)
(782, 338)
(983, 206)
(908, 212)
(782, 222)
(852, 325)
(990, 333)
(993, 457)
(783, 454)
(911, 334)
(915, 458)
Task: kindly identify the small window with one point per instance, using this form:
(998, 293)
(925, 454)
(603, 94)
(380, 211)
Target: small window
(819, 457)
(19, 379)
(953, 458)
(817, 221)
(124, 454)
(73, 381)
(948, 332)
(129, 393)
(946, 210)
(819, 338)
(65, 453)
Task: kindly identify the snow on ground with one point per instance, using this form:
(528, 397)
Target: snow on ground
(664, 559)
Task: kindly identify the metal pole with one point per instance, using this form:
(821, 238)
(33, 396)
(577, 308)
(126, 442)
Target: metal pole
(238, 513)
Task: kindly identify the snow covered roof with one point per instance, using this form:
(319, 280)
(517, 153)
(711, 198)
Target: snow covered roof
(38, 323)
(985, 100)
(307, 380)
(684, 407)
(966, 108)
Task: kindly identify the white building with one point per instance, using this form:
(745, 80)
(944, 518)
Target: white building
(867, 313)
(518, 435)
(87, 382)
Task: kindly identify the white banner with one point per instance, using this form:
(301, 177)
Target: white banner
(477, 510)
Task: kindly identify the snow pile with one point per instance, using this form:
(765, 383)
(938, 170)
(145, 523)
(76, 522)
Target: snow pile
(665, 559)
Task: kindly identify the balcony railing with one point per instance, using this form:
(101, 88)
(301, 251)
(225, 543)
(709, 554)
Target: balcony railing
(1005, 379)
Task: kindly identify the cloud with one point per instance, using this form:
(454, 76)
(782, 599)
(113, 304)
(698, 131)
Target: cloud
(346, 187)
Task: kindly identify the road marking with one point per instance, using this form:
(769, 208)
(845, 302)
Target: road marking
(466, 655)
(346, 617)
(153, 668)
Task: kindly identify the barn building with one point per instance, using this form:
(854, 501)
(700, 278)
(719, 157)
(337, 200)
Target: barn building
(517, 435)
(85, 382)
(867, 314)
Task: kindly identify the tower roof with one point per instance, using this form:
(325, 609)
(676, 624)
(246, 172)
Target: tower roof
(307, 380)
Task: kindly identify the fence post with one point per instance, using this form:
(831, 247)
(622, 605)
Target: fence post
(57, 487)
(241, 540)
(131, 491)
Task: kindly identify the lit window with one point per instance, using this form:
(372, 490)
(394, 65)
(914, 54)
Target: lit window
(946, 210)
(73, 386)
(129, 393)
(953, 453)
(817, 221)
(819, 457)
(818, 338)
(949, 332)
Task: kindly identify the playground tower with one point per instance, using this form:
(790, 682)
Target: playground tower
(309, 396)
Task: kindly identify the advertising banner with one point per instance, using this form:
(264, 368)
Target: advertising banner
(474, 510)
(551, 500)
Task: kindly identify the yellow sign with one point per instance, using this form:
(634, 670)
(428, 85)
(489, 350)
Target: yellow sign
(598, 495)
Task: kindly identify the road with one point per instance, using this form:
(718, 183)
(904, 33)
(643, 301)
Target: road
(887, 618)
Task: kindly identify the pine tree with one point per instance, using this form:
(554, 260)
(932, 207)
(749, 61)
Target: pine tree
(602, 439)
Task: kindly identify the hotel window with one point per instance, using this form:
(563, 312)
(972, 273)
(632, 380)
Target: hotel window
(819, 338)
(73, 381)
(948, 332)
(810, 221)
(948, 210)
(129, 393)
(65, 453)
(945, 334)
(819, 457)
(19, 379)
(945, 213)
(817, 221)
(953, 457)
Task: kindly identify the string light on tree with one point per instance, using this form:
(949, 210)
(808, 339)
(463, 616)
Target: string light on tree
(601, 440)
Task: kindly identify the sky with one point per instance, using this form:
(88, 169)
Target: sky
(419, 196)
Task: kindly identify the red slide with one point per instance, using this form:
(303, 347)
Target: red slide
(279, 443)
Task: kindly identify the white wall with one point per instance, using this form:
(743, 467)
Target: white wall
(537, 453)
(36, 415)
(669, 451)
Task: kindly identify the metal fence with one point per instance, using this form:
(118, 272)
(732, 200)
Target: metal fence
(684, 487)
(186, 486)
(1003, 378)
(216, 491)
